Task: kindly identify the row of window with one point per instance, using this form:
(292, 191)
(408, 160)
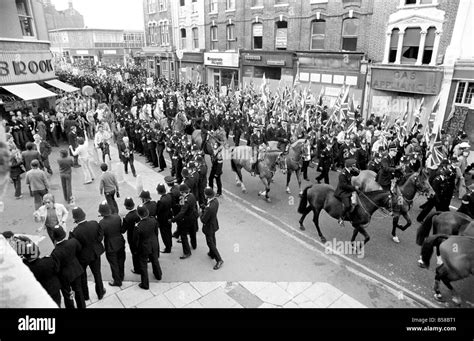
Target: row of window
(159, 34)
(152, 5)
(350, 31)
(23, 8)
(464, 93)
(195, 36)
(411, 46)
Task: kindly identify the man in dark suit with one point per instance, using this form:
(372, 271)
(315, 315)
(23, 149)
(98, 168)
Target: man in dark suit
(130, 221)
(114, 243)
(90, 236)
(148, 203)
(31, 154)
(146, 243)
(44, 149)
(345, 190)
(325, 162)
(125, 149)
(163, 214)
(211, 225)
(70, 270)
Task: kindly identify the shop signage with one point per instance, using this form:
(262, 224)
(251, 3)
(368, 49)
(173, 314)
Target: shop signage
(276, 62)
(221, 59)
(110, 51)
(419, 81)
(281, 38)
(252, 57)
(25, 67)
(82, 52)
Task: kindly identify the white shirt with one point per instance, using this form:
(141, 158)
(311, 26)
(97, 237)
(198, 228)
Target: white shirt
(82, 150)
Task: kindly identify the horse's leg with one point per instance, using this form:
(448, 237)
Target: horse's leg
(288, 179)
(354, 234)
(406, 216)
(316, 223)
(303, 216)
(266, 183)
(242, 185)
(443, 275)
(395, 219)
(364, 233)
(298, 177)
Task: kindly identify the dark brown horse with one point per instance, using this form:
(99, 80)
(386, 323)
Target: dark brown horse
(416, 182)
(321, 197)
(292, 162)
(457, 256)
(445, 223)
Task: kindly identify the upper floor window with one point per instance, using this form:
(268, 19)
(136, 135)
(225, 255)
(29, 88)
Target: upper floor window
(257, 34)
(464, 93)
(352, 2)
(162, 5)
(350, 31)
(183, 38)
(231, 41)
(182, 3)
(281, 36)
(213, 6)
(281, 2)
(214, 38)
(230, 5)
(25, 17)
(418, 2)
(165, 33)
(257, 3)
(151, 6)
(194, 6)
(195, 38)
(318, 33)
(392, 54)
(411, 45)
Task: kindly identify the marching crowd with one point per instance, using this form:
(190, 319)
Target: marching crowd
(152, 119)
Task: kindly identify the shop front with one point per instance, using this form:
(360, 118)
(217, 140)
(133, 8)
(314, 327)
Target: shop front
(278, 68)
(221, 68)
(191, 68)
(394, 90)
(22, 73)
(330, 70)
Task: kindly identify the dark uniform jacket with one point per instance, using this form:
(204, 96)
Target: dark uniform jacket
(283, 138)
(362, 158)
(256, 140)
(186, 218)
(164, 209)
(128, 225)
(121, 149)
(386, 172)
(46, 272)
(151, 207)
(65, 256)
(145, 237)
(209, 217)
(344, 187)
(326, 159)
(90, 236)
(113, 239)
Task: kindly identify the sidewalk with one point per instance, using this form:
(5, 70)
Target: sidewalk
(225, 295)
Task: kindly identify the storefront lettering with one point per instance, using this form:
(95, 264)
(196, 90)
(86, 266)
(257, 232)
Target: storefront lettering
(427, 82)
(215, 61)
(22, 68)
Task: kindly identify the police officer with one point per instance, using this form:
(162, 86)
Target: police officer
(345, 190)
(216, 169)
(325, 162)
(187, 220)
(256, 139)
(164, 212)
(211, 226)
(128, 225)
(202, 178)
(387, 168)
(148, 203)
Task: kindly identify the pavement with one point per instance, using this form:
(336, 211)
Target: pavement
(266, 264)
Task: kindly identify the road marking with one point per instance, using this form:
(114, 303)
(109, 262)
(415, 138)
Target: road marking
(395, 289)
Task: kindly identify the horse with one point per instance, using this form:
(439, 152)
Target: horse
(180, 122)
(416, 182)
(457, 255)
(242, 158)
(321, 196)
(293, 163)
(218, 136)
(445, 223)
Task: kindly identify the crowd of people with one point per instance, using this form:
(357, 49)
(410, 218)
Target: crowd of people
(151, 119)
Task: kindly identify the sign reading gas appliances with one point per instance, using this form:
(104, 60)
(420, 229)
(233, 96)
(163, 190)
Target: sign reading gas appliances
(221, 59)
(420, 81)
(25, 67)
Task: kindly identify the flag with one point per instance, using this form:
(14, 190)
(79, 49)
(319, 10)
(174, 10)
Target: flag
(351, 104)
(451, 113)
(321, 95)
(297, 80)
(436, 105)
(232, 83)
(264, 84)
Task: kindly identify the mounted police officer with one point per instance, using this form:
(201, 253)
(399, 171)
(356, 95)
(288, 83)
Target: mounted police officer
(256, 140)
(283, 135)
(387, 169)
(345, 191)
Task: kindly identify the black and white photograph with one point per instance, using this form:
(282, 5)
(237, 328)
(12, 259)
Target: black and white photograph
(240, 155)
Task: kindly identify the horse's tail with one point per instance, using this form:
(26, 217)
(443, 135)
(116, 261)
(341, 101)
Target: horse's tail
(425, 228)
(303, 200)
(232, 164)
(428, 246)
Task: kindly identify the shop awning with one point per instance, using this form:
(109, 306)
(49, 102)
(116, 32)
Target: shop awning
(62, 86)
(29, 91)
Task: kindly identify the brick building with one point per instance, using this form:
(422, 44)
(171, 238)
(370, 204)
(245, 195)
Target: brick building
(411, 68)
(68, 18)
(160, 48)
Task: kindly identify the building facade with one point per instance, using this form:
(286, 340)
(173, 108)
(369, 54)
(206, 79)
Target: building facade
(189, 38)
(91, 46)
(410, 75)
(68, 18)
(26, 62)
(133, 43)
(159, 51)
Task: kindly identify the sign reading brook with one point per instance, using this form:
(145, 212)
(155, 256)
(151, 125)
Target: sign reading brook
(25, 67)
